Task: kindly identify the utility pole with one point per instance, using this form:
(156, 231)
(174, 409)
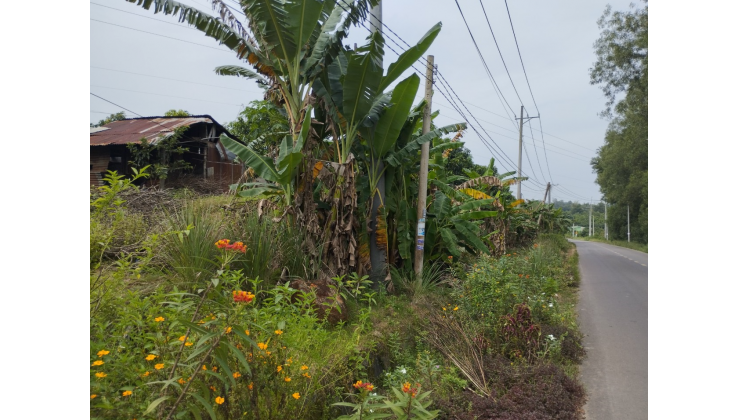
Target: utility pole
(421, 208)
(590, 218)
(521, 129)
(521, 126)
(606, 228)
(628, 223)
(547, 191)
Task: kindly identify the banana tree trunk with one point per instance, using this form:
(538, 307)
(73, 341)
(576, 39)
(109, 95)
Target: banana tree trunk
(378, 252)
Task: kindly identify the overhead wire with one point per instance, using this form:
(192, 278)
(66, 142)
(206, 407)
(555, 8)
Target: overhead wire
(511, 22)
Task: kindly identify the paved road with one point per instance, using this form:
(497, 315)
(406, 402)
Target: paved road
(613, 315)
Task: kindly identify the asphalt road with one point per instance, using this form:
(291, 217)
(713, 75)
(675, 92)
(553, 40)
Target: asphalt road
(613, 315)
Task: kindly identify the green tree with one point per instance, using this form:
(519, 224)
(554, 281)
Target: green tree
(177, 113)
(621, 164)
(109, 119)
(261, 126)
(460, 159)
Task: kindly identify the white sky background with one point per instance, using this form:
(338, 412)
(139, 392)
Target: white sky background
(556, 41)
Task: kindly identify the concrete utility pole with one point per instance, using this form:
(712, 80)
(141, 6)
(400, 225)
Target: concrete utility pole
(590, 219)
(547, 191)
(606, 228)
(628, 223)
(521, 126)
(421, 208)
(521, 129)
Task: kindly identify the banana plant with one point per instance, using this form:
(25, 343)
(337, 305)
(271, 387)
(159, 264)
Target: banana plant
(279, 174)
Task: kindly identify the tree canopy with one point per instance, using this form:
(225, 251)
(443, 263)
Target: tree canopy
(621, 164)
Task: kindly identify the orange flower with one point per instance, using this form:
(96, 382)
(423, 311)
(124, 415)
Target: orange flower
(213, 388)
(158, 319)
(287, 379)
(188, 344)
(237, 375)
(159, 366)
(306, 375)
(278, 332)
(304, 367)
(181, 381)
(219, 400)
(251, 385)
(100, 374)
(228, 330)
(182, 338)
(204, 367)
(296, 395)
(93, 396)
(242, 296)
(151, 357)
(97, 363)
(279, 368)
(102, 353)
(246, 332)
(262, 346)
(145, 374)
(126, 393)
(215, 369)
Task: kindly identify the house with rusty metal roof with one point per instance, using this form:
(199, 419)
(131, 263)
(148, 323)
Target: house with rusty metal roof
(204, 153)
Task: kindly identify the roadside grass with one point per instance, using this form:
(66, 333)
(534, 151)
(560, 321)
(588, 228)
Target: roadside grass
(624, 244)
(507, 325)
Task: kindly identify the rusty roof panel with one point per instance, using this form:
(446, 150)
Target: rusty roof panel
(152, 129)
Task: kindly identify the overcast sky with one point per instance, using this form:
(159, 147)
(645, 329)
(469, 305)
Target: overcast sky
(150, 63)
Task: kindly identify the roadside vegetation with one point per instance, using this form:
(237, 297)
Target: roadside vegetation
(294, 294)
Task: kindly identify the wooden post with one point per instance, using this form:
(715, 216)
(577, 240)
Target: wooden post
(421, 211)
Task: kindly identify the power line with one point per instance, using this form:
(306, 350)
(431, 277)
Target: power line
(142, 16)
(163, 36)
(175, 80)
(485, 65)
(528, 85)
(170, 96)
(499, 51)
(534, 146)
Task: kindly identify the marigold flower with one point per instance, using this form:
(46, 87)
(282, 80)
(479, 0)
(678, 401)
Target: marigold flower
(242, 296)
(262, 346)
(251, 385)
(219, 400)
(181, 381)
(100, 374)
(145, 374)
(188, 344)
(237, 375)
(159, 366)
(296, 395)
(287, 379)
(97, 363)
(126, 393)
(212, 388)
(279, 368)
(304, 367)
(158, 319)
(102, 353)
(215, 369)
(93, 396)
(278, 332)
(455, 308)
(307, 375)
(182, 338)
(228, 330)
(204, 367)
(151, 357)
(246, 332)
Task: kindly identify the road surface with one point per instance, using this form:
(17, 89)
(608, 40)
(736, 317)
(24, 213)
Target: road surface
(613, 315)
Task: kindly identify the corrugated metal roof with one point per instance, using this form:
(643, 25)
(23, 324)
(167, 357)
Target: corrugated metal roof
(96, 129)
(152, 129)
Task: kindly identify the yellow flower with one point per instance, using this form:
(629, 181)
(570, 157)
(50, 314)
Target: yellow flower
(246, 332)
(290, 360)
(262, 346)
(182, 338)
(127, 393)
(151, 357)
(278, 332)
(219, 400)
(159, 366)
(181, 381)
(158, 319)
(287, 379)
(237, 375)
(100, 374)
(306, 375)
(279, 368)
(204, 367)
(93, 396)
(304, 367)
(188, 344)
(455, 308)
(444, 309)
(296, 395)
(147, 373)
(228, 330)
(214, 369)
(98, 363)
(268, 353)
(102, 353)
(213, 388)
(251, 385)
